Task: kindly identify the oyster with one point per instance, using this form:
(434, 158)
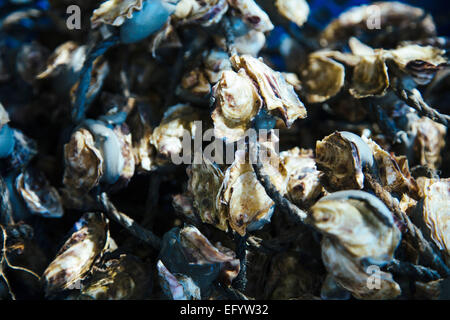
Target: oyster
(276, 92)
(177, 287)
(436, 211)
(370, 77)
(186, 251)
(39, 196)
(373, 236)
(323, 77)
(343, 156)
(205, 13)
(76, 257)
(237, 103)
(115, 12)
(304, 185)
(296, 11)
(205, 182)
(124, 278)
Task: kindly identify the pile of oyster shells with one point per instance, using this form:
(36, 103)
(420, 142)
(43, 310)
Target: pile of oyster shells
(353, 204)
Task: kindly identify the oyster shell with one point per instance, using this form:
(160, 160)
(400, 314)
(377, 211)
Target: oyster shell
(304, 185)
(39, 196)
(237, 103)
(296, 11)
(186, 251)
(342, 156)
(77, 255)
(252, 14)
(178, 286)
(372, 236)
(276, 92)
(115, 12)
(436, 210)
(370, 77)
(323, 77)
(204, 184)
(204, 13)
(123, 278)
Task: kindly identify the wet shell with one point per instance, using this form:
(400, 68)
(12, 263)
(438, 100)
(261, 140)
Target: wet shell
(436, 210)
(83, 161)
(178, 286)
(276, 92)
(39, 196)
(77, 255)
(252, 14)
(323, 77)
(237, 103)
(304, 185)
(186, 251)
(205, 182)
(61, 57)
(296, 11)
(123, 278)
(215, 62)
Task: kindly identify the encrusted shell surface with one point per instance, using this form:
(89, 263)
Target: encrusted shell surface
(83, 161)
(187, 251)
(436, 210)
(123, 278)
(252, 14)
(237, 103)
(78, 253)
(205, 182)
(39, 196)
(115, 12)
(276, 92)
(296, 11)
(323, 77)
(304, 185)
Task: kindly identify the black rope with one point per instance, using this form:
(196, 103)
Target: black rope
(240, 282)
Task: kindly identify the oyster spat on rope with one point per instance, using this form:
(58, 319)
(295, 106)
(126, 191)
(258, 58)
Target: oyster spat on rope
(76, 257)
(187, 251)
(358, 231)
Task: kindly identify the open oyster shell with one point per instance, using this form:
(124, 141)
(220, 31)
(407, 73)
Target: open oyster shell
(372, 236)
(276, 92)
(323, 77)
(237, 103)
(370, 77)
(77, 255)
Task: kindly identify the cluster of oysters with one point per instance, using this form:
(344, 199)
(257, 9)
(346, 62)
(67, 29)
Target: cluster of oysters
(353, 202)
